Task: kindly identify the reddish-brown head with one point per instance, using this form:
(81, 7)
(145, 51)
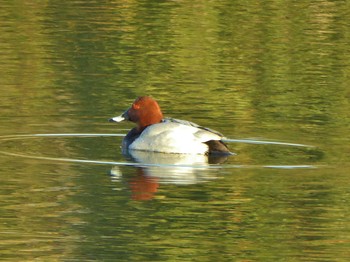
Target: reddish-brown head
(144, 111)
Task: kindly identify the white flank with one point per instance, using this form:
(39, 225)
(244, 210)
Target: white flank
(173, 137)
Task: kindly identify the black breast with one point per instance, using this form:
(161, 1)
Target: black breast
(130, 137)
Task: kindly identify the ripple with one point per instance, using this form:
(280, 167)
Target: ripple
(137, 164)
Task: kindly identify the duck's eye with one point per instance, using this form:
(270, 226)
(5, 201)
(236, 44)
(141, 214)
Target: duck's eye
(136, 106)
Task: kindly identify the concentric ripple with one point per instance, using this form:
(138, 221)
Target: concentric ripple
(118, 163)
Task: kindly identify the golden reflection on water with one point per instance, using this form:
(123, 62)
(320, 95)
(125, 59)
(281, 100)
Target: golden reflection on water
(263, 70)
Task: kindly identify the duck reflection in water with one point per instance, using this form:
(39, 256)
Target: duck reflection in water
(153, 169)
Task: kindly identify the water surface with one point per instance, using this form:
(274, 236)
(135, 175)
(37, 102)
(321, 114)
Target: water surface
(268, 71)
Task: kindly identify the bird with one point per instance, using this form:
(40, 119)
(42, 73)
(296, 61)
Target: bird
(155, 133)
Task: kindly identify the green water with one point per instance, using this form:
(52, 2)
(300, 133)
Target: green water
(273, 71)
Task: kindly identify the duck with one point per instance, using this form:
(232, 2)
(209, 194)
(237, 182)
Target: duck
(155, 133)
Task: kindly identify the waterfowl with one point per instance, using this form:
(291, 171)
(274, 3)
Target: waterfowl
(155, 133)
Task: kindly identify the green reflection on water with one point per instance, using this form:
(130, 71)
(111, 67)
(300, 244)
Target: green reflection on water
(274, 70)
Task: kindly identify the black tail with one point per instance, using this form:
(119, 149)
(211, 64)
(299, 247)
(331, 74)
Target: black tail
(217, 147)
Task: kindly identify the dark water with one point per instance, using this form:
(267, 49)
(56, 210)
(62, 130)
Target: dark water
(271, 71)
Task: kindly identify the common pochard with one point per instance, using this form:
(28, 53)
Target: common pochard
(167, 135)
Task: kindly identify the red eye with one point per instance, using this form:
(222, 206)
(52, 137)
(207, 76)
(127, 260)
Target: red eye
(135, 106)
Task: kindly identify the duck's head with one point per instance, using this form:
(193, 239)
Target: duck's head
(144, 111)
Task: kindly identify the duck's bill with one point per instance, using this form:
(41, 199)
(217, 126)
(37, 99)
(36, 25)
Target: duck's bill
(116, 119)
(120, 118)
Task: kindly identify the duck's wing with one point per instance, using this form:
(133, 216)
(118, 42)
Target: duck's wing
(189, 123)
(210, 137)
